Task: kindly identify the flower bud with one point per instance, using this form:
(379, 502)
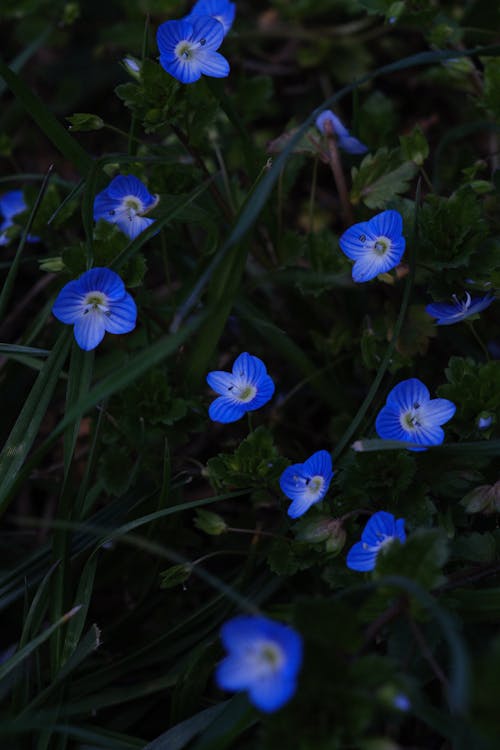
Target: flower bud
(210, 523)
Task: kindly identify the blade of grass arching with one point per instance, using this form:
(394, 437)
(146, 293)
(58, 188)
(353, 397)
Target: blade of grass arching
(28, 649)
(26, 54)
(79, 378)
(114, 382)
(344, 440)
(179, 736)
(72, 195)
(32, 624)
(84, 503)
(46, 121)
(479, 447)
(28, 423)
(290, 351)
(89, 643)
(12, 349)
(83, 596)
(42, 719)
(11, 276)
(237, 716)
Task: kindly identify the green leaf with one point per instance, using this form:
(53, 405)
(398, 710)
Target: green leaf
(381, 177)
(176, 575)
(83, 121)
(420, 558)
(414, 147)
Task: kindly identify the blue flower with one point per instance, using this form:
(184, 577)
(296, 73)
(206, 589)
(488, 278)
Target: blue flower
(123, 203)
(380, 531)
(264, 657)
(11, 204)
(376, 245)
(484, 420)
(410, 414)
(96, 302)
(188, 48)
(246, 388)
(447, 313)
(222, 10)
(346, 141)
(307, 483)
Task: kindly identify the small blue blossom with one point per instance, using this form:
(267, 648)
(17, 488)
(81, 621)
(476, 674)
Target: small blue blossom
(346, 141)
(410, 414)
(401, 702)
(188, 48)
(94, 303)
(484, 420)
(307, 483)
(11, 204)
(124, 203)
(376, 245)
(459, 310)
(380, 531)
(264, 658)
(222, 10)
(246, 388)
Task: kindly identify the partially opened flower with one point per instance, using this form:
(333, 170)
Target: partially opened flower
(124, 203)
(223, 11)
(246, 388)
(446, 314)
(381, 530)
(307, 483)
(11, 204)
(264, 658)
(188, 48)
(375, 246)
(411, 415)
(94, 303)
(346, 141)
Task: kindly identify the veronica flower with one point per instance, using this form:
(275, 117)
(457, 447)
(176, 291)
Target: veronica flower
(264, 658)
(11, 204)
(124, 203)
(447, 313)
(94, 303)
(380, 531)
(307, 483)
(188, 48)
(246, 388)
(410, 414)
(222, 10)
(376, 245)
(346, 141)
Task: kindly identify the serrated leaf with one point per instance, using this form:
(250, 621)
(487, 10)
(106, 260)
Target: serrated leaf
(381, 177)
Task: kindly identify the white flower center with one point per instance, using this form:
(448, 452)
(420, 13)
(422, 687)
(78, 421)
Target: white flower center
(131, 206)
(462, 306)
(382, 245)
(315, 485)
(266, 658)
(411, 419)
(244, 392)
(385, 541)
(96, 302)
(185, 51)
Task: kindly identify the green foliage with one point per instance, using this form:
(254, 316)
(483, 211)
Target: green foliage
(491, 97)
(83, 121)
(209, 522)
(381, 176)
(420, 558)
(474, 387)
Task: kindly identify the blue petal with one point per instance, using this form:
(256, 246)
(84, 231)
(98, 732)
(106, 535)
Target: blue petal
(225, 410)
(220, 381)
(406, 394)
(102, 280)
(438, 411)
(319, 463)
(265, 391)
(222, 10)
(237, 632)
(388, 224)
(105, 206)
(208, 29)
(124, 185)
(68, 306)
(388, 424)
(249, 368)
(337, 126)
(428, 435)
(231, 674)
(122, 316)
(292, 482)
(185, 71)
(133, 226)
(89, 330)
(450, 313)
(12, 203)
(301, 505)
(272, 693)
(351, 145)
(170, 33)
(353, 242)
(212, 64)
(368, 267)
(380, 525)
(400, 532)
(361, 559)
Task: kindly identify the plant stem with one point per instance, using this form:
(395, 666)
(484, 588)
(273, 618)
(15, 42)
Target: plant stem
(338, 175)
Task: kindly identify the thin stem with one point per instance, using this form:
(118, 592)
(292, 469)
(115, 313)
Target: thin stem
(254, 532)
(313, 194)
(479, 340)
(250, 422)
(338, 175)
(427, 653)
